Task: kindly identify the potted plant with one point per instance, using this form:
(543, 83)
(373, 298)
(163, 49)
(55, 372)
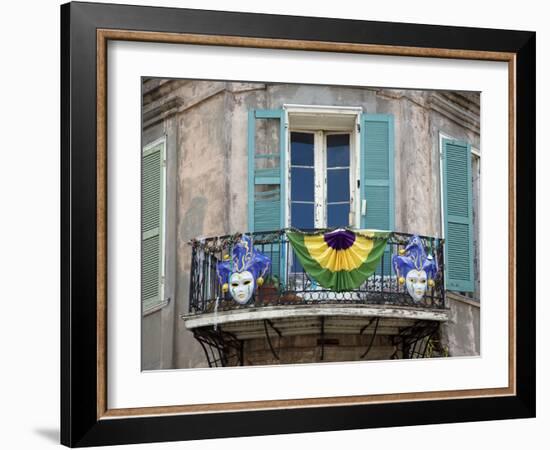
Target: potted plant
(268, 290)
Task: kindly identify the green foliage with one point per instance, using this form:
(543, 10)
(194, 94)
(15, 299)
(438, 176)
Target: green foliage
(434, 348)
(272, 280)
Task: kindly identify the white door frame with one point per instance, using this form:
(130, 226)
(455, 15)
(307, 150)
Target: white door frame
(322, 127)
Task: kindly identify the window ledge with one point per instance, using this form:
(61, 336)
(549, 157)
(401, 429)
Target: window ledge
(462, 298)
(155, 308)
(328, 310)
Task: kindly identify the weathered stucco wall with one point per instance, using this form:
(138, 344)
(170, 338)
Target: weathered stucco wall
(206, 128)
(304, 349)
(461, 333)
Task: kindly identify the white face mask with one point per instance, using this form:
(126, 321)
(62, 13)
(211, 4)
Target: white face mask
(241, 286)
(416, 284)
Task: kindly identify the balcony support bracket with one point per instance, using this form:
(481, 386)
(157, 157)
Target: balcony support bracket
(372, 338)
(276, 356)
(322, 337)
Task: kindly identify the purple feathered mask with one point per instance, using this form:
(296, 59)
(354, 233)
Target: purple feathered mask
(243, 271)
(415, 257)
(415, 268)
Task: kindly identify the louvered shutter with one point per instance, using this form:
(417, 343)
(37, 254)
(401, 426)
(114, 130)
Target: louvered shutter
(458, 229)
(266, 175)
(377, 175)
(152, 214)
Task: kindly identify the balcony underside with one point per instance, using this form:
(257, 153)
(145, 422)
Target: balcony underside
(249, 323)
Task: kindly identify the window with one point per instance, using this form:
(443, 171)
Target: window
(319, 167)
(153, 192)
(457, 212)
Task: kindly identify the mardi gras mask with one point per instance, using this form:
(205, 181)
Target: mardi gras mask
(243, 270)
(416, 283)
(415, 268)
(241, 286)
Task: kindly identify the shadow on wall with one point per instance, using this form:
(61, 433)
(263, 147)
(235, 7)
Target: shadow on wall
(49, 434)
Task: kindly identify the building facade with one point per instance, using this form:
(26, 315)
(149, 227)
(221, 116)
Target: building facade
(226, 158)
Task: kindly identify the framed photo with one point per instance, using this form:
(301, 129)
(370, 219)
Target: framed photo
(278, 224)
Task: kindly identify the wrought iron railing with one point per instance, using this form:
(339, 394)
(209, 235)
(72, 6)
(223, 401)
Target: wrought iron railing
(288, 284)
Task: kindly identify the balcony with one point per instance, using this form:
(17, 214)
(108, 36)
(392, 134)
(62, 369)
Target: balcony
(287, 283)
(291, 303)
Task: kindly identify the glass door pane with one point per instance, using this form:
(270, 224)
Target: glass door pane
(302, 185)
(338, 180)
(302, 180)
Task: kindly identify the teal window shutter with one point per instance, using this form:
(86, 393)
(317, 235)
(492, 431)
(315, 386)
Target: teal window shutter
(377, 176)
(266, 173)
(152, 227)
(266, 176)
(458, 228)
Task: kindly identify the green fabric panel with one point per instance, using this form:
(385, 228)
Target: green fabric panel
(342, 280)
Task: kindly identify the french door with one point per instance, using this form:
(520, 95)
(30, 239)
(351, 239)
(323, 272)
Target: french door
(321, 180)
